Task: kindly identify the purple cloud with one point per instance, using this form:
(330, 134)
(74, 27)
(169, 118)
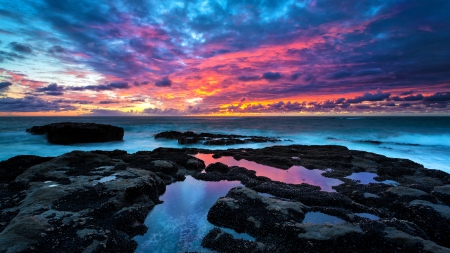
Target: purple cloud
(165, 82)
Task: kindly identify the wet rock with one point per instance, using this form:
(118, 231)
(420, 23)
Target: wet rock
(11, 168)
(219, 167)
(328, 231)
(50, 212)
(401, 190)
(409, 241)
(72, 132)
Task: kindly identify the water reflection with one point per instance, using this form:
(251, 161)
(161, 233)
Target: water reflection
(179, 224)
(368, 216)
(321, 218)
(368, 177)
(294, 175)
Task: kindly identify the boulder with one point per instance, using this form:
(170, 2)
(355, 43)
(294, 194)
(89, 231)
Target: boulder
(72, 132)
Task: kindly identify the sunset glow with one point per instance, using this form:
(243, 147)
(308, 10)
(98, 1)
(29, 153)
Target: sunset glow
(124, 58)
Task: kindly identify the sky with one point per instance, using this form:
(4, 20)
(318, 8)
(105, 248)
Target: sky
(219, 58)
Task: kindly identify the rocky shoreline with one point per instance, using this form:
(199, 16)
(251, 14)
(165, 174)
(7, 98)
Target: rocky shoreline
(190, 137)
(97, 201)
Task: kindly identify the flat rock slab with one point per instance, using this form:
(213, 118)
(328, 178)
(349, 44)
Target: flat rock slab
(72, 132)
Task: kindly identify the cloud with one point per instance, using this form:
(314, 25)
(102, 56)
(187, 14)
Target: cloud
(31, 104)
(338, 75)
(165, 82)
(417, 97)
(369, 72)
(106, 102)
(438, 97)
(295, 76)
(10, 56)
(379, 96)
(272, 76)
(101, 87)
(248, 78)
(105, 112)
(68, 101)
(157, 111)
(52, 90)
(4, 86)
(21, 48)
(56, 49)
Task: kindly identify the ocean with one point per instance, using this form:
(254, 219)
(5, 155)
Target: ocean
(425, 140)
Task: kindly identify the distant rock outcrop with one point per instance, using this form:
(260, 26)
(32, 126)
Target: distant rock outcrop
(190, 137)
(72, 132)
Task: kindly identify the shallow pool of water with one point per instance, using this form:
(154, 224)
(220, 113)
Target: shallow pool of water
(368, 177)
(179, 224)
(368, 216)
(294, 175)
(321, 218)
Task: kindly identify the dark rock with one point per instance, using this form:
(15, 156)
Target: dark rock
(212, 139)
(72, 132)
(11, 168)
(219, 167)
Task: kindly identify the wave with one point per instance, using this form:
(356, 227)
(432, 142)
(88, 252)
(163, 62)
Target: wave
(406, 140)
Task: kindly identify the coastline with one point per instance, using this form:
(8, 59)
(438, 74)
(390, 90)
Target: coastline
(82, 195)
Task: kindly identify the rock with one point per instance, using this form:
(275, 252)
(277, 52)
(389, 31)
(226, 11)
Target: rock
(11, 168)
(401, 190)
(219, 167)
(368, 195)
(405, 239)
(443, 210)
(445, 189)
(72, 132)
(94, 197)
(190, 137)
(328, 231)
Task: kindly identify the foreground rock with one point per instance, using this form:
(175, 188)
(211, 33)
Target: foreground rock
(411, 215)
(71, 132)
(212, 139)
(83, 201)
(97, 201)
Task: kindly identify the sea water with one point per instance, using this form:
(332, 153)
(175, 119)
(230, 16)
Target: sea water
(180, 223)
(425, 140)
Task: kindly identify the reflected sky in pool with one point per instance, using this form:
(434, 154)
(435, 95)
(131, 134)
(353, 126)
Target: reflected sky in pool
(179, 224)
(321, 218)
(368, 216)
(294, 175)
(368, 177)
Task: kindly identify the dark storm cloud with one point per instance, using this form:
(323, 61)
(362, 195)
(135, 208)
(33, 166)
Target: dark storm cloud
(20, 48)
(165, 82)
(271, 76)
(31, 104)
